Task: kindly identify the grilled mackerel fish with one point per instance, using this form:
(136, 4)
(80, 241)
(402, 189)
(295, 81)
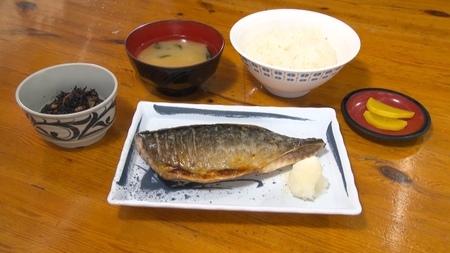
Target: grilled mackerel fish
(212, 153)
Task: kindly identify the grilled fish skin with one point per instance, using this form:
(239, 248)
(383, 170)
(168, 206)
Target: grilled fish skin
(217, 152)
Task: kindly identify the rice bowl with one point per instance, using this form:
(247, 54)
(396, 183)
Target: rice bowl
(293, 80)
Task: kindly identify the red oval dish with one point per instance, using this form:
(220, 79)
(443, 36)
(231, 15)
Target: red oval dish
(354, 105)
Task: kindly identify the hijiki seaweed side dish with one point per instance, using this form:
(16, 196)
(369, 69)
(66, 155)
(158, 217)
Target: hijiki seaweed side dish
(75, 101)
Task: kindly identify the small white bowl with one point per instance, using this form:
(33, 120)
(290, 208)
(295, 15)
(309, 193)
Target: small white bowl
(75, 129)
(286, 82)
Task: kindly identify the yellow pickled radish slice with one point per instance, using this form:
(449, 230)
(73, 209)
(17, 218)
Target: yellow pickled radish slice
(385, 110)
(384, 123)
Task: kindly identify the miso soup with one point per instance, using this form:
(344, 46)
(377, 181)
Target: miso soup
(175, 53)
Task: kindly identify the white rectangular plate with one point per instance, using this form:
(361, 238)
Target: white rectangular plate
(135, 183)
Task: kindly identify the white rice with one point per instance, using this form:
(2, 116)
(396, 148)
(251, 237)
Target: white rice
(293, 48)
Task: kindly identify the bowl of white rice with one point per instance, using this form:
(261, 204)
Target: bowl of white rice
(293, 51)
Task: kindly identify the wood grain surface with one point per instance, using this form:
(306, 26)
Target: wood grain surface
(54, 199)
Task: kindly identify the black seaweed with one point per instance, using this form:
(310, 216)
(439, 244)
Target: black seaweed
(75, 101)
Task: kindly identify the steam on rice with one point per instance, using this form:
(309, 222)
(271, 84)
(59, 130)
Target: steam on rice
(293, 48)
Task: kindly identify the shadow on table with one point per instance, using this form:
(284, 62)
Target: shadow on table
(357, 222)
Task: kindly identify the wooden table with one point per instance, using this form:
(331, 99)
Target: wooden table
(54, 199)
